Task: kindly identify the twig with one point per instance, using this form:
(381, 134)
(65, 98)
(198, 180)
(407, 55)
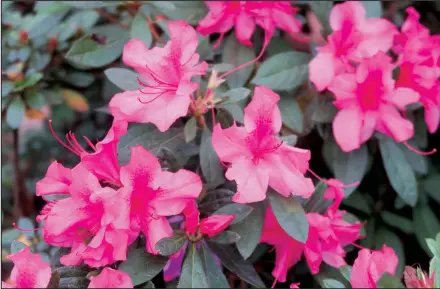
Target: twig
(111, 18)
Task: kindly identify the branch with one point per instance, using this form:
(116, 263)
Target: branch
(111, 18)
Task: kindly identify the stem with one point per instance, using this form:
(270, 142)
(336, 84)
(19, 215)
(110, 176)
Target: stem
(111, 18)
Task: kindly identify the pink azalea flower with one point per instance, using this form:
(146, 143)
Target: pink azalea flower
(245, 15)
(369, 267)
(168, 72)
(30, 271)
(155, 194)
(294, 285)
(110, 278)
(259, 158)
(368, 101)
(420, 65)
(56, 181)
(354, 37)
(93, 221)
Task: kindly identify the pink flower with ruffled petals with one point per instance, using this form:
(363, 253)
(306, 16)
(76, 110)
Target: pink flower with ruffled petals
(167, 72)
(110, 278)
(245, 15)
(30, 271)
(294, 285)
(93, 222)
(369, 267)
(354, 37)
(155, 194)
(419, 65)
(57, 180)
(369, 101)
(259, 159)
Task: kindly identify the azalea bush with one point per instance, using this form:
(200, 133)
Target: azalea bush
(223, 144)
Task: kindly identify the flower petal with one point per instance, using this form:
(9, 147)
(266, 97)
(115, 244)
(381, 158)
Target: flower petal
(347, 128)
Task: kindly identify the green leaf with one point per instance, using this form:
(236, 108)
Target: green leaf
(190, 129)
(373, 8)
(153, 140)
(211, 168)
(141, 266)
(322, 12)
(399, 172)
(434, 245)
(15, 113)
(329, 277)
(398, 222)
(291, 113)
(9, 235)
(240, 211)
(434, 268)
(123, 78)
(139, 28)
(90, 4)
(26, 224)
(386, 237)
(28, 81)
(284, 71)
(190, 11)
(235, 263)
(149, 285)
(359, 202)
(80, 79)
(7, 87)
(236, 94)
(169, 246)
(426, 225)
(90, 53)
(250, 230)
(430, 185)
(17, 246)
(204, 49)
(236, 54)
(349, 167)
(84, 19)
(49, 7)
(418, 163)
(322, 109)
(42, 23)
(226, 237)
(214, 272)
(290, 215)
(316, 202)
(332, 283)
(389, 281)
(193, 275)
(289, 139)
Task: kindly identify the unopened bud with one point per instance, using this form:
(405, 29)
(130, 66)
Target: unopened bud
(24, 37)
(214, 82)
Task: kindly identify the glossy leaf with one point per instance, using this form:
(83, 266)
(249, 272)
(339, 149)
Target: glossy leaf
(190, 129)
(15, 113)
(139, 28)
(193, 274)
(209, 162)
(398, 222)
(226, 237)
(240, 211)
(426, 225)
(389, 281)
(291, 113)
(214, 272)
(169, 246)
(124, 78)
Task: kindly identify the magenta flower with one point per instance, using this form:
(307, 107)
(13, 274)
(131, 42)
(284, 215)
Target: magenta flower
(419, 62)
(110, 278)
(354, 37)
(93, 221)
(155, 194)
(168, 72)
(369, 267)
(259, 159)
(245, 15)
(30, 271)
(368, 101)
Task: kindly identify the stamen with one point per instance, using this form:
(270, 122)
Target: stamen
(59, 140)
(333, 185)
(157, 78)
(274, 282)
(433, 151)
(72, 144)
(219, 41)
(25, 230)
(224, 165)
(359, 246)
(145, 102)
(90, 143)
(266, 42)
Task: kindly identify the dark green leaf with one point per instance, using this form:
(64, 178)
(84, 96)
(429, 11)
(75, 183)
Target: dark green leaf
(418, 163)
(169, 246)
(370, 229)
(373, 8)
(290, 215)
(90, 53)
(7, 87)
(193, 275)
(240, 211)
(236, 94)
(398, 222)
(289, 139)
(389, 281)
(149, 285)
(139, 28)
(284, 71)
(235, 110)
(359, 202)
(322, 109)
(90, 4)
(431, 186)
(190, 11)
(39, 61)
(84, 19)
(386, 237)
(15, 113)
(190, 129)
(233, 261)
(141, 266)
(226, 237)
(80, 79)
(152, 139)
(17, 246)
(399, 172)
(426, 225)
(42, 23)
(250, 230)
(214, 272)
(28, 81)
(9, 235)
(204, 49)
(316, 202)
(236, 54)
(291, 113)
(214, 200)
(332, 283)
(124, 78)
(329, 277)
(322, 12)
(211, 168)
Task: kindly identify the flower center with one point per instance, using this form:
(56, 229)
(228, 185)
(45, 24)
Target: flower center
(370, 91)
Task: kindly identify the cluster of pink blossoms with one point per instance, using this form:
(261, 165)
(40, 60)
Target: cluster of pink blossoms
(354, 66)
